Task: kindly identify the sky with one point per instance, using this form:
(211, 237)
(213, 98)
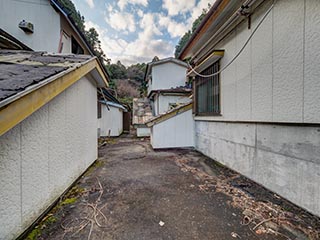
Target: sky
(134, 31)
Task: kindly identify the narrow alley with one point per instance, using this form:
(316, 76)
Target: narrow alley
(134, 192)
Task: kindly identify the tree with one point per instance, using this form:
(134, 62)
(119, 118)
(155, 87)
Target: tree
(117, 71)
(185, 38)
(155, 59)
(93, 39)
(182, 42)
(70, 9)
(136, 71)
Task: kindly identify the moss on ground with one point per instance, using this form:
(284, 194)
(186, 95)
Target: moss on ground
(70, 198)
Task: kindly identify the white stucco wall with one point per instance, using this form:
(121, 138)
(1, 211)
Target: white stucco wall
(165, 100)
(44, 154)
(111, 120)
(45, 19)
(167, 75)
(276, 78)
(143, 132)
(177, 131)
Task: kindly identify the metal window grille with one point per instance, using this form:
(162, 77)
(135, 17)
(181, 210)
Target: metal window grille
(207, 92)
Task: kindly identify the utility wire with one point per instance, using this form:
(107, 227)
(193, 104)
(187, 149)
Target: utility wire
(238, 54)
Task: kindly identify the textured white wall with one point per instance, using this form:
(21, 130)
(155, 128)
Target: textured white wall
(177, 131)
(45, 19)
(44, 154)
(143, 132)
(111, 120)
(167, 75)
(276, 78)
(165, 100)
(285, 159)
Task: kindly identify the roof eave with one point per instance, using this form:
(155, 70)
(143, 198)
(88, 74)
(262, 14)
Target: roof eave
(183, 53)
(168, 115)
(15, 109)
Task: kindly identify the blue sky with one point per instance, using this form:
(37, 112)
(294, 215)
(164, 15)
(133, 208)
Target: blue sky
(137, 30)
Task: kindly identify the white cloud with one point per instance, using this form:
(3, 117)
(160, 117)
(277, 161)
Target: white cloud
(147, 27)
(175, 7)
(109, 8)
(197, 10)
(121, 21)
(174, 28)
(142, 49)
(90, 3)
(140, 13)
(122, 3)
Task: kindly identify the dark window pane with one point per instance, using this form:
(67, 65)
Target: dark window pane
(207, 92)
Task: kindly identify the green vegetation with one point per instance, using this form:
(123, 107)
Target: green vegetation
(70, 198)
(185, 38)
(34, 234)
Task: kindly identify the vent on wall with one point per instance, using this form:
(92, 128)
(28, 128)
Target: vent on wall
(27, 27)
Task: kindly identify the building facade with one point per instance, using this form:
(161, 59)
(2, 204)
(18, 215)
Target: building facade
(260, 115)
(48, 131)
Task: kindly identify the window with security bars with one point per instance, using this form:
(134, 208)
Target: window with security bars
(207, 92)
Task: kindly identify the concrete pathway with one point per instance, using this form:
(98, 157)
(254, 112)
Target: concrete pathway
(133, 192)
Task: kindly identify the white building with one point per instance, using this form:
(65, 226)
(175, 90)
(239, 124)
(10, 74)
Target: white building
(48, 131)
(52, 31)
(166, 80)
(110, 115)
(173, 129)
(260, 116)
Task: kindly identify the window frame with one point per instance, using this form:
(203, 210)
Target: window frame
(196, 89)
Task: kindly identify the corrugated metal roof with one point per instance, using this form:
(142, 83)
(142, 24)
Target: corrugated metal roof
(113, 104)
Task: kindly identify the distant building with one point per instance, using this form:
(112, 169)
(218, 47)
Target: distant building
(48, 130)
(169, 96)
(166, 81)
(172, 129)
(110, 117)
(260, 115)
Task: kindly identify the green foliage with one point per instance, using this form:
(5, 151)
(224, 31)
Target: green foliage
(70, 9)
(117, 71)
(185, 38)
(136, 71)
(182, 42)
(34, 234)
(93, 39)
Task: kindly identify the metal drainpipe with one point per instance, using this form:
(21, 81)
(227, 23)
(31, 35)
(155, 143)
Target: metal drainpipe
(230, 21)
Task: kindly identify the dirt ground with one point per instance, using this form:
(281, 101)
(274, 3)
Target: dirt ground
(134, 192)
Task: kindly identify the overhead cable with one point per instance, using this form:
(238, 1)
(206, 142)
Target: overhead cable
(238, 54)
